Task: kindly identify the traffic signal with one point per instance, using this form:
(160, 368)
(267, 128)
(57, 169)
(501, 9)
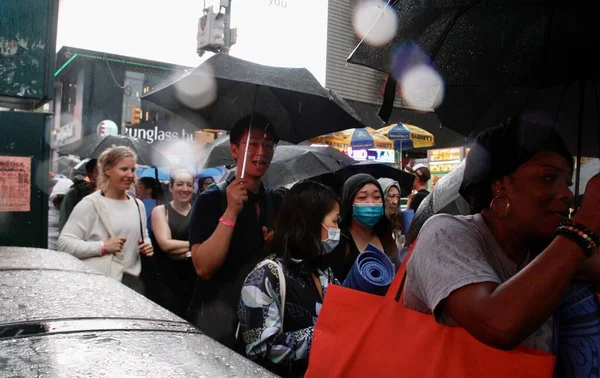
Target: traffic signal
(136, 116)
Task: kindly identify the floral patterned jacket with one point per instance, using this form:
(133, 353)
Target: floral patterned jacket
(260, 315)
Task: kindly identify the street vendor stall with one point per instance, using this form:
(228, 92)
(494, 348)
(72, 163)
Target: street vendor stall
(360, 144)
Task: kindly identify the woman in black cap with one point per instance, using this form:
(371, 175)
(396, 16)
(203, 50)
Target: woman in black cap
(500, 273)
(362, 224)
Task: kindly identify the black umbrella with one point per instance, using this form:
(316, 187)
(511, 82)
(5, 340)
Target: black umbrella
(378, 170)
(295, 163)
(93, 145)
(217, 154)
(500, 58)
(481, 43)
(65, 165)
(231, 88)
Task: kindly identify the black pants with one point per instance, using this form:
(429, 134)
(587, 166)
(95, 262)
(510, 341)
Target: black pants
(174, 285)
(133, 282)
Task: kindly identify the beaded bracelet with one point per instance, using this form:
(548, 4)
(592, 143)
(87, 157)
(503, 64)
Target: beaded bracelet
(580, 227)
(577, 233)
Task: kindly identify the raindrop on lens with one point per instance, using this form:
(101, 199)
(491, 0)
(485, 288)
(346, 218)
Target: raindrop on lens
(422, 87)
(198, 89)
(375, 22)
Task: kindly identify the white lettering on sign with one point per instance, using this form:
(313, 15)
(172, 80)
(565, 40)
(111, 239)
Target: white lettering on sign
(154, 134)
(357, 154)
(381, 156)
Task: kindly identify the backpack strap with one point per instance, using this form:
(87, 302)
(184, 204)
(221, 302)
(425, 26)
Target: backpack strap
(223, 189)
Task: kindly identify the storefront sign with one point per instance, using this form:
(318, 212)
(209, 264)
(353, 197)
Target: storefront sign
(152, 133)
(379, 155)
(446, 154)
(65, 133)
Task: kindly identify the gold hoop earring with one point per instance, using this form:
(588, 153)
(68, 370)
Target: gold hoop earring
(506, 211)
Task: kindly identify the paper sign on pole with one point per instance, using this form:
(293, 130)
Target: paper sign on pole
(15, 183)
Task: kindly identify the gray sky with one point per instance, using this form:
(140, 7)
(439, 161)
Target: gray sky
(293, 35)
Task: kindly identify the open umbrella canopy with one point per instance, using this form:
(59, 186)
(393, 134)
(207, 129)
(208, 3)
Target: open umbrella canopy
(565, 107)
(478, 43)
(496, 59)
(93, 145)
(218, 153)
(152, 172)
(224, 89)
(295, 163)
(408, 136)
(65, 164)
(361, 138)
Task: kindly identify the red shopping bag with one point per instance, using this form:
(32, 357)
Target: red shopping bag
(364, 335)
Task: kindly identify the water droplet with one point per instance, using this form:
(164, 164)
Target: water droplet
(375, 21)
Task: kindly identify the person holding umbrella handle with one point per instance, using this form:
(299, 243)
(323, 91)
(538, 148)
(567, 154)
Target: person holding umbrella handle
(230, 224)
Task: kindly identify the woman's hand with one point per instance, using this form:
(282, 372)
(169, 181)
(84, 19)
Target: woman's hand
(114, 245)
(145, 248)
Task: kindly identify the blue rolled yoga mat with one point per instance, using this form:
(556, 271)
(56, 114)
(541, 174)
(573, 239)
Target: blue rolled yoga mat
(372, 272)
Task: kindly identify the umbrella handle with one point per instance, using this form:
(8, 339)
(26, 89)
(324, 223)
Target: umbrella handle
(246, 153)
(248, 138)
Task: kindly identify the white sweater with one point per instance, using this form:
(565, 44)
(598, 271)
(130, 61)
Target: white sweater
(84, 231)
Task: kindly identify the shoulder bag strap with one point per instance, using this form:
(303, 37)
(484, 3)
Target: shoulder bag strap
(100, 210)
(140, 216)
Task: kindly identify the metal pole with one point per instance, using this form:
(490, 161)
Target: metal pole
(227, 29)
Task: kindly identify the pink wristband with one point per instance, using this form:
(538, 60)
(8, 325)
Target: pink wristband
(227, 222)
(102, 249)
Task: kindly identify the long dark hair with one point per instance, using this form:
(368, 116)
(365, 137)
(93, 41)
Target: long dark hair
(297, 232)
(156, 190)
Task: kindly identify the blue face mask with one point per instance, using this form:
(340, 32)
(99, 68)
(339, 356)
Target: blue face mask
(367, 214)
(333, 238)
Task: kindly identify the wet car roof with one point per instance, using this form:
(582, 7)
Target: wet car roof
(60, 318)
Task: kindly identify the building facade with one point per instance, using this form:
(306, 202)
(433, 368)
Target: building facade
(92, 87)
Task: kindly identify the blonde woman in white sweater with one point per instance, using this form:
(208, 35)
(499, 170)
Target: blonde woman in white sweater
(107, 229)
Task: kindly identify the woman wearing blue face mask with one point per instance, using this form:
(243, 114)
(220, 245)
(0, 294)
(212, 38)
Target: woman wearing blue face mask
(282, 297)
(363, 223)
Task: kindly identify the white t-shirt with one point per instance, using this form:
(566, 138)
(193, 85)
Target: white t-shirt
(84, 230)
(453, 252)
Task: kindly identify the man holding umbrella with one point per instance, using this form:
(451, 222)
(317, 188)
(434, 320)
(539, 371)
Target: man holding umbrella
(228, 229)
